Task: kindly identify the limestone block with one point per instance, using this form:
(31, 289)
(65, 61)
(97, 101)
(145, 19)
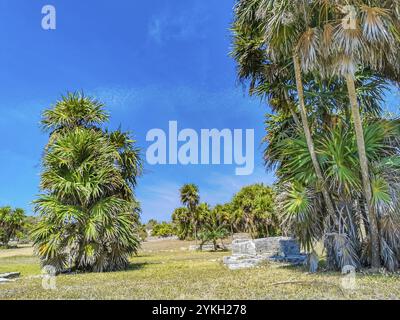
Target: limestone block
(243, 247)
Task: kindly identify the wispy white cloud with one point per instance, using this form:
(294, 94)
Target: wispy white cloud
(158, 200)
(195, 107)
(176, 98)
(220, 188)
(178, 26)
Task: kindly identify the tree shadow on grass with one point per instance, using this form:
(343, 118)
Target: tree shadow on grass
(139, 265)
(131, 267)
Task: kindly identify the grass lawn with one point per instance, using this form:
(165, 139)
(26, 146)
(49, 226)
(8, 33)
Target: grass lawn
(167, 270)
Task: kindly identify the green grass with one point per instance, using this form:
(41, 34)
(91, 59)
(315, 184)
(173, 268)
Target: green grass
(165, 271)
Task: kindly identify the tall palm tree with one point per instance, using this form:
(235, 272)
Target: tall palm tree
(11, 222)
(224, 216)
(189, 194)
(371, 39)
(213, 227)
(182, 222)
(88, 212)
(300, 206)
(253, 206)
(284, 28)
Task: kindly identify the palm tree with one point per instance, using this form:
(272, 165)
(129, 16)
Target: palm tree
(223, 213)
(284, 31)
(202, 213)
(213, 230)
(371, 40)
(89, 214)
(253, 204)
(190, 198)
(300, 205)
(182, 221)
(313, 34)
(11, 222)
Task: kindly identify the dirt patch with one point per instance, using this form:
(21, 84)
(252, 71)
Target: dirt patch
(161, 245)
(22, 250)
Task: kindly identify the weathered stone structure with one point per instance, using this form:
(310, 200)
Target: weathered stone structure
(248, 253)
(208, 247)
(8, 277)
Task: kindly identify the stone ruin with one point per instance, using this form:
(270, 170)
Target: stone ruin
(8, 277)
(247, 253)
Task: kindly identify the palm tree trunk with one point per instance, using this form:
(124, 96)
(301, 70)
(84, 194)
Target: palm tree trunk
(373, 222)
(195, 233)
(310, 143)
(292, 112)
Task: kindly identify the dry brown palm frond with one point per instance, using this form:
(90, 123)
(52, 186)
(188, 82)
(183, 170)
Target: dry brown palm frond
(375, 24)
(344, 64)
(389, 249)
(349, 40)
(327, 39)
(390, 231)
(344, 250)
(308, 48)
(388, 256)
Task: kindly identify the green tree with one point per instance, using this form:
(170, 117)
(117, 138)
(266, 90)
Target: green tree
(189, 194)
(88, 213)
(283, 27)
(346, 235)
(24, 235)
(225, 216)
(11, 222)
(163, 229)
(182, 222)
(212, 229)
(254, 205)
(326, 54)
(151, 223)
(370, 39)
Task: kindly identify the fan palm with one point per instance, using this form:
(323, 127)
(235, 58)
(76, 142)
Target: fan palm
(11, 222)
(301, 207)
(212, 230)
(224, 216)
(190, 197)
(284, 28)
(182, 221)
(89, 214)
(314, 35)
(253, 205)
(372, 39)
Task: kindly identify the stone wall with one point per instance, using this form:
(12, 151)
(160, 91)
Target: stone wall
(281, 246)
(248, 253)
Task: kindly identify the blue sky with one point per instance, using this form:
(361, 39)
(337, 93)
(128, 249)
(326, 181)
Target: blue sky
(149, 61)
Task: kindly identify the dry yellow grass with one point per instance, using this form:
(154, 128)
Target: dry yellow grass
(167, 270)
(22, 250)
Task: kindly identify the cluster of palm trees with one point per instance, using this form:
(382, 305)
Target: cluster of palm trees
(324, 66)
(88, 212)
(11, 223)
(251, 210)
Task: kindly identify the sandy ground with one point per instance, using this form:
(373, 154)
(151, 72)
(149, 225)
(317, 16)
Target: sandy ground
(157, 245)
(22, 250)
